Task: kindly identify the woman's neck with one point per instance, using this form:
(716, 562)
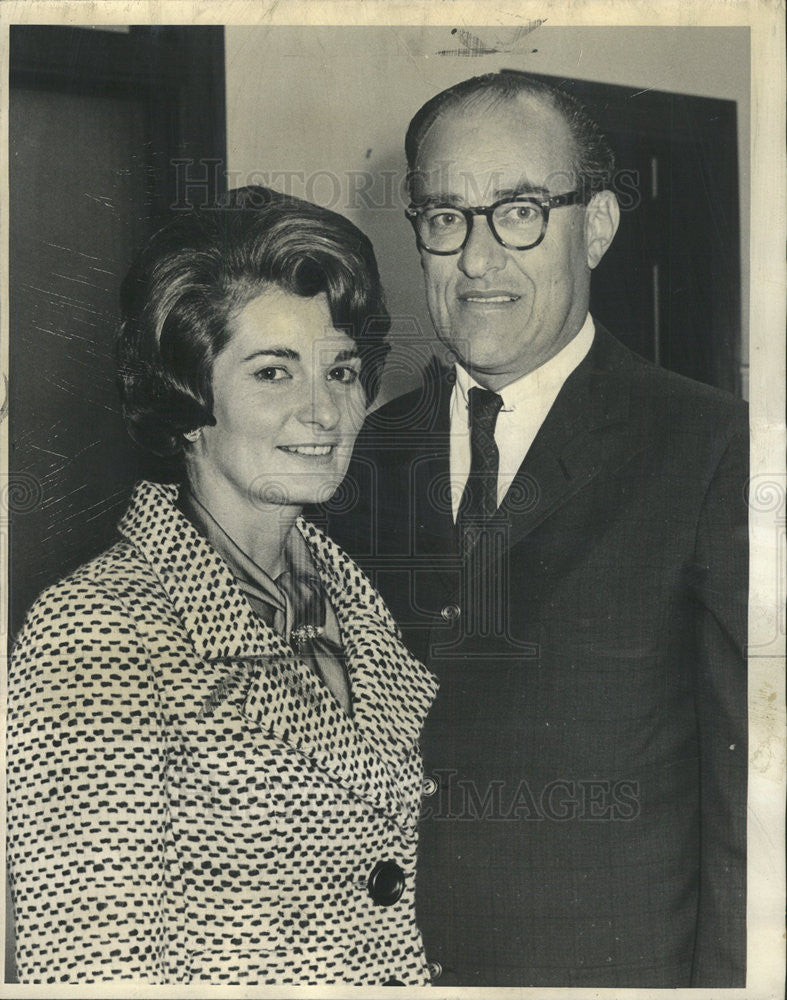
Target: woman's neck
(260, 530)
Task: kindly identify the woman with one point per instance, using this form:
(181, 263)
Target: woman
(213, 770)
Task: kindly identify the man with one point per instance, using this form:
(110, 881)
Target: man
(560, 529)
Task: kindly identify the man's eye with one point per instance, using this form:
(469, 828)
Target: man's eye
(272, 373)
(444, 220)
(517, 214)
(344, 374)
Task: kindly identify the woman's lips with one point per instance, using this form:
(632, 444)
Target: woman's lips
(308, 450)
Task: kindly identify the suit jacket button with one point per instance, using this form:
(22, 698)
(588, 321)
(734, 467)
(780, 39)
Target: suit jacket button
(434, 969)
(429, 786)
(450, 612)
(386, 883)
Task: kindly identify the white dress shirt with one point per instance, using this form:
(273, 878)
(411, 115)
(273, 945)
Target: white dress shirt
(526, 403)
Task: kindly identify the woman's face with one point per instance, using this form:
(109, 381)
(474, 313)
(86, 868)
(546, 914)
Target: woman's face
(288, 405)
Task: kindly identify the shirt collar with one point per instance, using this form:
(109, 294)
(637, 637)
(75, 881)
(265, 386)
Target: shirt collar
(545, 380)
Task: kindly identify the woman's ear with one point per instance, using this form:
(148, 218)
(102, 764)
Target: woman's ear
(602, 216)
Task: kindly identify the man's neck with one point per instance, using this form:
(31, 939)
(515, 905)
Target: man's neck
(566, 356)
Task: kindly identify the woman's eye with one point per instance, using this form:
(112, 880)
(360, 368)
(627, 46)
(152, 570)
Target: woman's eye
(344, 374)
(272, 373)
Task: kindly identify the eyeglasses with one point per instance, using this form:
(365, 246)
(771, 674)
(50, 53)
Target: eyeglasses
(516, 223)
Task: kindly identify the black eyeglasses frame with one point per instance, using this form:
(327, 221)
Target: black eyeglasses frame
(546, 203)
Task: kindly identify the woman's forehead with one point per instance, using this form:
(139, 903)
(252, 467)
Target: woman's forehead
(276, 317)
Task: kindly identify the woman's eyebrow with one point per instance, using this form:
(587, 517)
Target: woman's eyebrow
(347, 355)
(275, 352)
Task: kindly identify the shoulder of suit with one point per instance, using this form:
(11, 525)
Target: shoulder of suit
(419, 408)
(668, 396)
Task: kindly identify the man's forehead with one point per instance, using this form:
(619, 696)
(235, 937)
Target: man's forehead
(505, 148)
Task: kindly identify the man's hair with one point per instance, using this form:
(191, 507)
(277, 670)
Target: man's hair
(594, 161)
(197, 272)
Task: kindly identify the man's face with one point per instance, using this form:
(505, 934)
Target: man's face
(504, 312)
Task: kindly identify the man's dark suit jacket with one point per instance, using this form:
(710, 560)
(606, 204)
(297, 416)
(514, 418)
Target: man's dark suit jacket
(584, 817)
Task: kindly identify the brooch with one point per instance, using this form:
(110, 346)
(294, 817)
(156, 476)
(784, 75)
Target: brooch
(302, 633)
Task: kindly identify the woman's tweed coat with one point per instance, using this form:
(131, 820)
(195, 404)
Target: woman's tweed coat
(187, 802)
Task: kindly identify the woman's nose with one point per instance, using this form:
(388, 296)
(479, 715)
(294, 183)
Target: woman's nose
(320, 406)
(482, 253)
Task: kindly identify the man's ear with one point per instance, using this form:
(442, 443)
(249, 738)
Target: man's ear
(602, 216)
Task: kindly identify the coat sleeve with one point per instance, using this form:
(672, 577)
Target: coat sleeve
(87, 818)
(722, 597)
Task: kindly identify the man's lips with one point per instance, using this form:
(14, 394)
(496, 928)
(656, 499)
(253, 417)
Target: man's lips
(490, 296)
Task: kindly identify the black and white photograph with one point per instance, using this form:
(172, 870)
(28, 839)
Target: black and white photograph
(392, 503)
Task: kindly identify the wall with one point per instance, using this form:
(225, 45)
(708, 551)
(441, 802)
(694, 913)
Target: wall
(331, 105)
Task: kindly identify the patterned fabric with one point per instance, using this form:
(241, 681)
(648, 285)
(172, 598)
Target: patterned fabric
(187, 802)
(293, 604)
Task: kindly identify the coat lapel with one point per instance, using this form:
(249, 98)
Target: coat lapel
(390, 691)
(214, 612)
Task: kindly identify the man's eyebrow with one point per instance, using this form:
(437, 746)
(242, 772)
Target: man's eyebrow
(275, 352)
(439, 199)
(520, 190)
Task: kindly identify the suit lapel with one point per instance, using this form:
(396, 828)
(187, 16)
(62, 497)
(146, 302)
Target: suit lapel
(433, 519)
(200, 587)
(585, 431)
(427, 462)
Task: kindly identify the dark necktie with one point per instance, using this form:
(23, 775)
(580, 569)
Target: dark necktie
(479, 500)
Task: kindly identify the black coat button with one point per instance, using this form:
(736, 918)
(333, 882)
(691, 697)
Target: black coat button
(386, 883)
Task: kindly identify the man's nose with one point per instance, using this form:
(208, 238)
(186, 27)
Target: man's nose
(482, 253)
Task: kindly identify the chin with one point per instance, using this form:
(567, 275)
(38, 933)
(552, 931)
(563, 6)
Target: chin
(324, 494)
(317, 494)
(294, 491)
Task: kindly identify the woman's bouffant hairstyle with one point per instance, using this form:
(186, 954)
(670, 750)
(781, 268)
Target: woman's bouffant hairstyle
(206, 265)
(594, 161)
